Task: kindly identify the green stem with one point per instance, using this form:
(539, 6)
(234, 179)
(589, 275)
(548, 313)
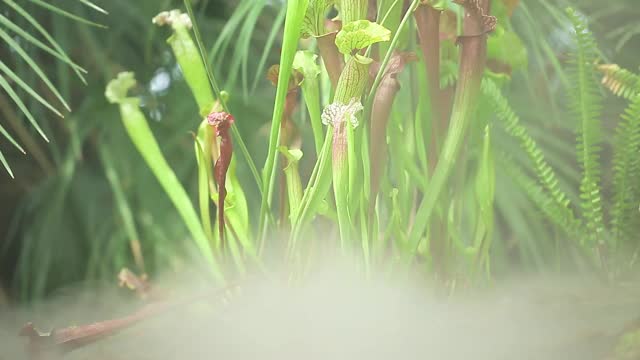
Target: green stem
(296, 10)
(142, 137)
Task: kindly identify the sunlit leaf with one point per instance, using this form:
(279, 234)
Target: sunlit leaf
(360, 34)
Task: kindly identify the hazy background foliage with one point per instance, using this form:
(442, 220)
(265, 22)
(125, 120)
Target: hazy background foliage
(59, 222)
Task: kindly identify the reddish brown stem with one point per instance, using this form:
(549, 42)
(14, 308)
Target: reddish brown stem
(380, 112)
(428, 23)
(61, 341)
(331, 57)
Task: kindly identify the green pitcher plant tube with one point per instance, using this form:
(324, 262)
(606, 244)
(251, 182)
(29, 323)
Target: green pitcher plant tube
(139, 132)
(206, 144)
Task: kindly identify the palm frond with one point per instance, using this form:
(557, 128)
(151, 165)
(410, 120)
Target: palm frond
(9, 76)
(67, 14)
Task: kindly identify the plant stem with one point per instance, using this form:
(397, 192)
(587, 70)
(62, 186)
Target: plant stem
(350, 88)
(296, 10)
(331, 57)
(428, 23)
(472, 62)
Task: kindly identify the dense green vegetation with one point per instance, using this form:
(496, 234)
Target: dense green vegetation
(462, 140)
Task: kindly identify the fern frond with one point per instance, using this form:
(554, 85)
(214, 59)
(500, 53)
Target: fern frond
(626, 172)
(556, 213)
(511, 123)
(586, 105)
(621, 82)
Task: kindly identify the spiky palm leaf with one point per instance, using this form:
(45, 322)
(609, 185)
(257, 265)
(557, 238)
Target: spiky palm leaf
(29, 36)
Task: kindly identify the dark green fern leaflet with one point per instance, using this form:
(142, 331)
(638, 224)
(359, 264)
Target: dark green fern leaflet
(553, 211)
(557, 202)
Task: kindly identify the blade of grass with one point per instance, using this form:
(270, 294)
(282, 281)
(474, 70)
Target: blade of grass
(268, 46)
(24, 135)
(8, 136)
(296, 10)
(94, 6)
(6, 165)
(15, 28)
(14, 77)
(67, 14)
(123, 206)
(220, 46)
(16, 99)
(44, 33)
(244, 45)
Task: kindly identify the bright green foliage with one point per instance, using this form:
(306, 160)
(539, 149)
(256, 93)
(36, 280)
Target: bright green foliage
(586, 105)
(360, 34)
(414, 208)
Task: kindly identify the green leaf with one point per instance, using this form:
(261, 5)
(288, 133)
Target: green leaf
(13, 76)
(314, 18)
(8, 136)
(18, 49)
(94, 6)
(360, 34)
(6, 165)
(12, 94)
(44, 33)
(15, 28)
